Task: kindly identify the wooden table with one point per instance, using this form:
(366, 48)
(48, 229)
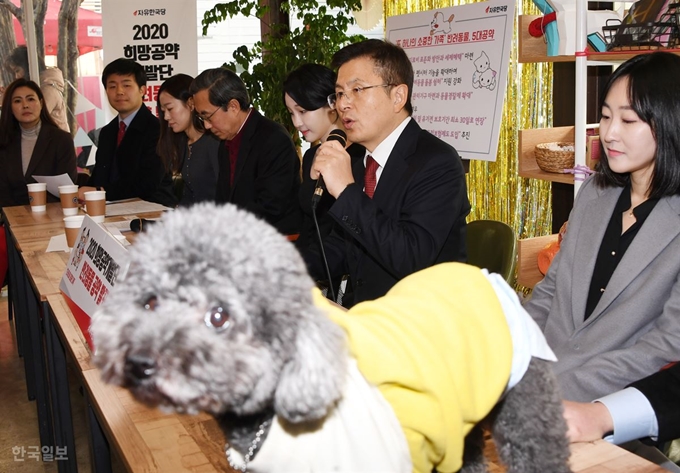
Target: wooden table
(22, 215)
(34, 275)
(591, 457)
(603, 457)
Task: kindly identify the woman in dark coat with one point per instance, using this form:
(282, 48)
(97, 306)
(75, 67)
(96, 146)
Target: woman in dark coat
(31, 144)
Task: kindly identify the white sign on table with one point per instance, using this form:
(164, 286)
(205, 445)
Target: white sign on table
(97, 260)
(158, 34)
(460, 57)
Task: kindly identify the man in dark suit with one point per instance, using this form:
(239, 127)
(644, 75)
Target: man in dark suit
(259, 169)
(648, 408)
(402, 208)
(127, 165)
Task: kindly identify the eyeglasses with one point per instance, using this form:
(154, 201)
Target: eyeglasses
(207, 119)
(351, 94)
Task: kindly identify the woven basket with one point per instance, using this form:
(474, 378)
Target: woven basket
(553, 160)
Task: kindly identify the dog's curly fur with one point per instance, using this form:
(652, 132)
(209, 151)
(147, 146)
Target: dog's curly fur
(280, 353)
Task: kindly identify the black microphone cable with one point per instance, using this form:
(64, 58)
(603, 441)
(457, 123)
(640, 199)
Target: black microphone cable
(323, 254)
(341, 137)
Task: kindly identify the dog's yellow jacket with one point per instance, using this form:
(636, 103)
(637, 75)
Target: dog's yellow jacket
(441, 360)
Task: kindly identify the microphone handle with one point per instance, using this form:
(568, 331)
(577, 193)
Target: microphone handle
(140, 224)
(340, 137)
(318, 192)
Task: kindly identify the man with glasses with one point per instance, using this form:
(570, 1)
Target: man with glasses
(403, 207)
(126, 164)
(259, 169)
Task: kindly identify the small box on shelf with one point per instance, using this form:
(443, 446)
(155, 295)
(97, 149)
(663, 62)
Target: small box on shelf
(592, 149)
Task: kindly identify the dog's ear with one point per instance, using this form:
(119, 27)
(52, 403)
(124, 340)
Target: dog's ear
(312, 381)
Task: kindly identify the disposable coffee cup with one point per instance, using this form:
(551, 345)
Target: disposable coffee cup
(69, 199)
(37, 196)
(95, 203)
(72, 227)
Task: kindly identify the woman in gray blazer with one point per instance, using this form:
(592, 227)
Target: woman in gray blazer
(31, 144)
(610, 303)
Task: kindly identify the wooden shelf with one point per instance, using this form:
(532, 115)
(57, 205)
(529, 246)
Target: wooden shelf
(528, 139)
(621, 56)
(534, 49)
(528, 274)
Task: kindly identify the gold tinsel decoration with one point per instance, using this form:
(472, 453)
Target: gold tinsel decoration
(495, 189)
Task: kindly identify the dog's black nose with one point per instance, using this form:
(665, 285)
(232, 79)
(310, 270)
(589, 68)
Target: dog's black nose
(139, 367)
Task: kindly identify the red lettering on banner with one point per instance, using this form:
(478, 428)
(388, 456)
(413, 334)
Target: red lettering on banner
(94, 290)
(102, 295)
(87, 276)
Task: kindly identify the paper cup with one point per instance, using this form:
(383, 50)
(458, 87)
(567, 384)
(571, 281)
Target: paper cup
(37, 196)
(69, 199)
(96, 205)
(72, 227)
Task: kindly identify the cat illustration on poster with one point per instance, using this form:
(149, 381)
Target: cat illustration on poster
(484, 76)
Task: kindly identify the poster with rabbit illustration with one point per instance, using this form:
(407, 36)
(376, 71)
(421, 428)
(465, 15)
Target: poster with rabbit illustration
(460, 57)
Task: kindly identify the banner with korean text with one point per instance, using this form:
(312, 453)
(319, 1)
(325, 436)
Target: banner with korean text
(158, 34)
(96, 262)
(460, 57)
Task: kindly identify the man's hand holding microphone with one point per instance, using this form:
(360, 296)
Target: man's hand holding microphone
(332, 167)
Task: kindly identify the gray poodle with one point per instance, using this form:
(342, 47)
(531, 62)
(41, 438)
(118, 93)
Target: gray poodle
(217, 313)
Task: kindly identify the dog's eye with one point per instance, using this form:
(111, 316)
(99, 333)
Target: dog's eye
(217, 318)
(151, 303)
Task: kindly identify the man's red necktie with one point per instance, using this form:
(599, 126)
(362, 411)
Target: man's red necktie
(121, 133)
(370, 179)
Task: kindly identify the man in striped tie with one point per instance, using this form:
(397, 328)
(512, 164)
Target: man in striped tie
(403, 207)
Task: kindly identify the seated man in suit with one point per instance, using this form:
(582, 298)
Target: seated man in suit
(259, 169)
(402, 207)
(127, 165)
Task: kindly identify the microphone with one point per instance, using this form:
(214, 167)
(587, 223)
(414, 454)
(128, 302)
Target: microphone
(335, 135)
(140, 224)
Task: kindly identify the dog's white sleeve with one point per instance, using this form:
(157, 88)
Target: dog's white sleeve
(527, 338)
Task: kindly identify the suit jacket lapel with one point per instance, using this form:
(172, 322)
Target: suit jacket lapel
(358, 170)
(246, 145)
(41, 145)
(397, 164)
(14, 165)
(660, 228)
(595, 220)
(130, 138)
